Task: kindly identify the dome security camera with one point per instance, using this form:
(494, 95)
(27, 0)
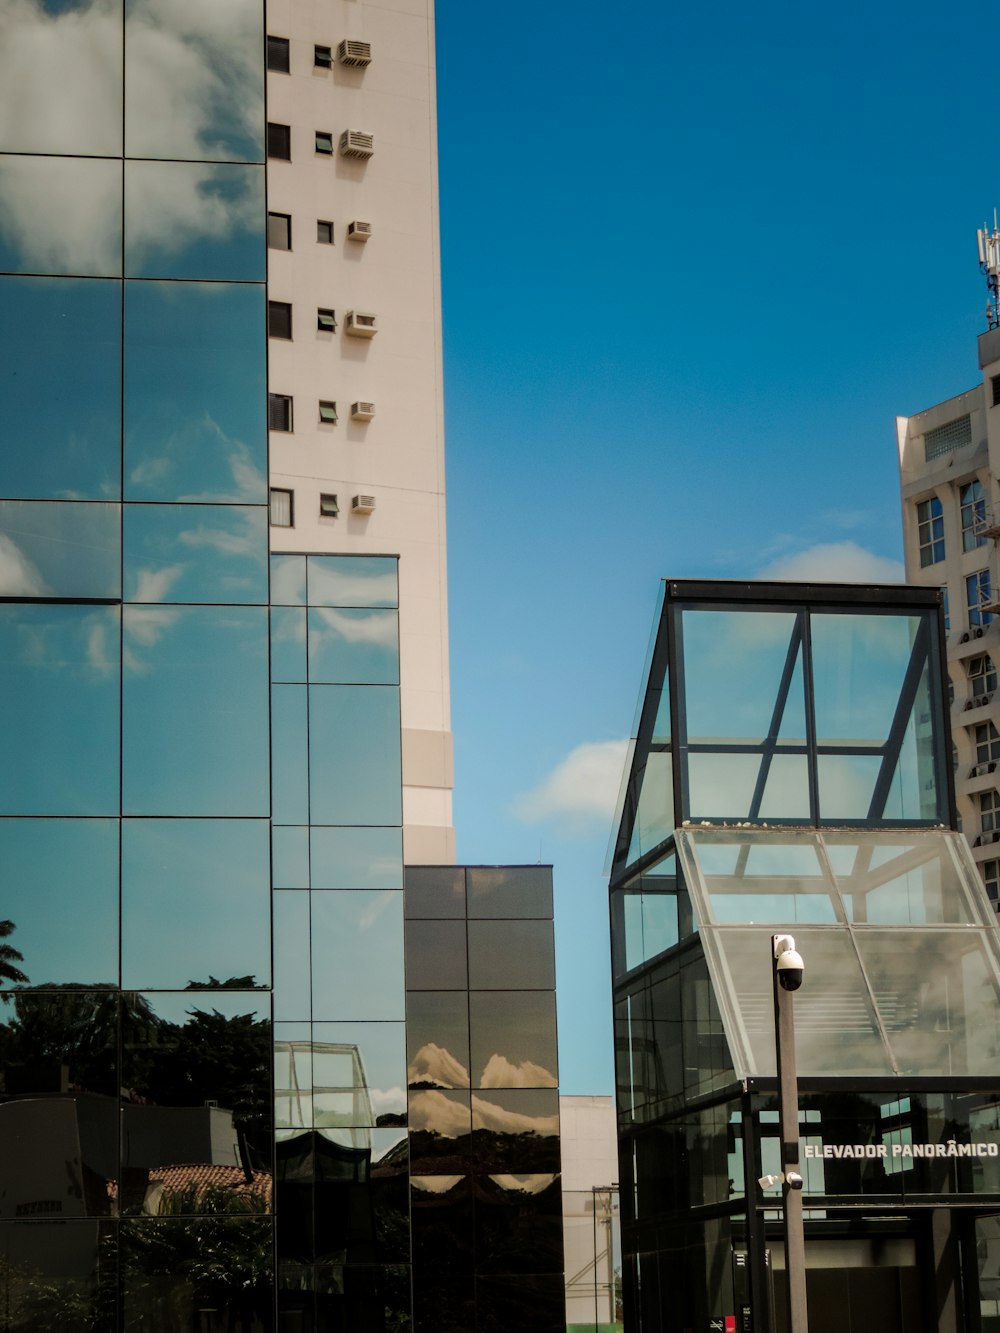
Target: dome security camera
(788, 962)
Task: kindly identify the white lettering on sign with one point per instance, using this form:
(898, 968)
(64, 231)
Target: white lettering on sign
(876, 1150)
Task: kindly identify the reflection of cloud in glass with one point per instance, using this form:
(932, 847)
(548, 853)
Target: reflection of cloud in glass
(18, 576)
(432, 1064)
(152, 585)
(503, 1073)
(379, 630)
(352, 581)
(144, 629)
(487, 1115)
(440, 1114)
(525, 1184)
(60, 215)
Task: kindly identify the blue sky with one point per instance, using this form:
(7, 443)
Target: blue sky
(695, 261)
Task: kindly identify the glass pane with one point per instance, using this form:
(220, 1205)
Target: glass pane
(59, 687)
(194, 392)
(64, 333)
(356, 858)
(436, 955)
(510, 891)
(61, 76)
(440, 1131)
(195, 706)
(511, 955)
(194, 220)
(292, 974)
(338, 580)
(518, 1231)
(909, 882)
(289, 755)
(435, 891)
(70, 1285)
(62, 215)
(195, 903)
(288, 580)
(195, 553)
(513, 1039)
(516, 1130)
(61, 895)
(158, 1272)
(721, 786)
(56, 549)
(194, 82)
(288, 643)
(654, 821)
(734, 662)
(354, 755)
(290, 857)
(437, 1039)
(292, 1083)
(357, 951)
(354, 646)
(847, 785)
(373, 1057)
(859, 662)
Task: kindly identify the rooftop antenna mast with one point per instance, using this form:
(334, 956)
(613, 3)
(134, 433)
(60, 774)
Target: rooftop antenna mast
(989, 264)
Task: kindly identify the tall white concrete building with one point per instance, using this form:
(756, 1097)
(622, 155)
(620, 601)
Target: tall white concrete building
(354, 354)
(949, 465)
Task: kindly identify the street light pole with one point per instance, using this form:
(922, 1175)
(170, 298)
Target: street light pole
(787, 971)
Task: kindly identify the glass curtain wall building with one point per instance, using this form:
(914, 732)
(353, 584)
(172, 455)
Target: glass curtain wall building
(790, 772)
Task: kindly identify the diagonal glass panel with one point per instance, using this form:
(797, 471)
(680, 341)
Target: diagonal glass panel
(716, 645)
(859, 664)
(913, 793)
(654, 820)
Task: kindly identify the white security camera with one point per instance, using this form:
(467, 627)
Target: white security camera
(788, 962)
(793, 1180)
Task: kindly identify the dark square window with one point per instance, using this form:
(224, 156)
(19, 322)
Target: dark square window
(328, 506)
(279, 231)
(324, 141)
(282, 508)
(324, 232)
(326, 320)
(279, 319)
(995, 389)
(323, 56)
(279, 141)
(277, 54)
(279, 411)
(328, 412)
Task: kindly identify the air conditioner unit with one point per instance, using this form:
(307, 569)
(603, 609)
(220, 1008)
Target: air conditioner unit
(991, 767)
(979, 633)
(354, 53)
(362, 411)
(360, 324)
(355, 143)
(359, 231)
(977, 841)
(964, 638)
(974, 771)
(363, 504)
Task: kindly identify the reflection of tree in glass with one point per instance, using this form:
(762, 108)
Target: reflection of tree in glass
(35, 1297)
(9, 957)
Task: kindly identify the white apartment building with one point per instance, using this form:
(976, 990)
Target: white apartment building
(949, 465)
(356, 432)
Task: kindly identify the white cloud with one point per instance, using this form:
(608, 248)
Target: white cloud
(834, 562)
(353, 628)
(433, 1064)
(503, 1073)
(583, 786)
(18, 575)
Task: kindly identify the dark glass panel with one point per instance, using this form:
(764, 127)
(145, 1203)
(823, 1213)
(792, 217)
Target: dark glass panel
(292, 974)
(435, 891)
(510, 891)
(59, 687)
(61, 893)
(436, 955)
(440, 1131)
(194, 82)
(57, 1277)
(532, 1304)
(362, 1197)
(339, 580)
(358, 1074)
(442, 1221)
(357, 952)
(195, 553)
(194, 392)
(57, 332)
(516, 1130)
(354, 754)
(294, 1190)
(194, 711)
(289, 756)
(519, 1225)
(663, 1061)
(195, 903)
(513, 1039)
(290, 857)
(362, 1298)
(444, 1299)
(212, 1274)
(59, 549)
(437, 1039)
(194, 220)
(62, 215)
(197, 1123)
(511, 954)
(288, 643)
(288, 580)
(352, 646)
(352, 858)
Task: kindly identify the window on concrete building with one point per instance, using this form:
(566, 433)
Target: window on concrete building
(282, 508)
(279, 141)
(987, 742)
(324, 232)
(995, 389)
(989, 811)
(947, 612)
(930, 531)
(279, 411)
(982, 675)
(973, 516)
(278, 54)
(945, 439)
(324, 141)
(279, 231)
(991, 878)
(326, 320)
(279, 319)
(328, 412)
(328, 506)
(978, 597)
(323, 56)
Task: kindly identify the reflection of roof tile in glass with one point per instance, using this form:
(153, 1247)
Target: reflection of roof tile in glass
(902, 960)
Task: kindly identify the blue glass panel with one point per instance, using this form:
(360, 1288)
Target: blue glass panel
(56, 548)
(290, 857)
(195, 711)
(59, 687)
(351, 580)
(760, 642)
(289, 755)
(195, 903)
(354, 754)
(61, 892)
(288, 580)
(61, 215)
(194, 393)
(357, 953)
(353, 646)
(195, 553)
(292, 983)
(194, 220)
(859, 662)
(288, 643)
(356, 858)
(65, 334)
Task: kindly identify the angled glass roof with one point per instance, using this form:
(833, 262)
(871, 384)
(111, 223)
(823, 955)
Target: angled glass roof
(901, 950)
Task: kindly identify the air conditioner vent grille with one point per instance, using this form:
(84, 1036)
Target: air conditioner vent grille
(356, 143)
(354, 53)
